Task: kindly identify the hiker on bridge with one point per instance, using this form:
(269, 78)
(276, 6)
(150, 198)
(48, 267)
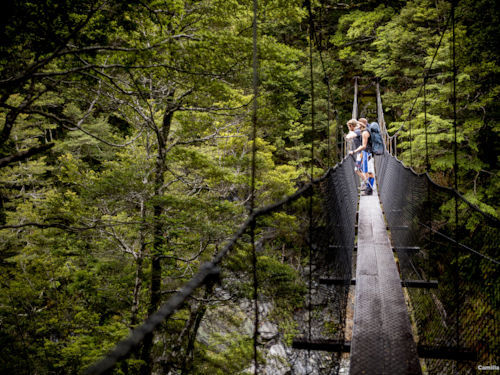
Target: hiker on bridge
(354, 141)
(367, 162)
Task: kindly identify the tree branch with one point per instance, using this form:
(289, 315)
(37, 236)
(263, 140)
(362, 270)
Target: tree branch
(48, 225)
(22, 155)
(68, 124)
(37, 65)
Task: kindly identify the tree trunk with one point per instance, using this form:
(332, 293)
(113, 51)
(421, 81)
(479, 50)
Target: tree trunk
(7, 127)
(137, 289)
(155, 266)
(168, 363)
(187, 361)
(158, 240)
(139, 274)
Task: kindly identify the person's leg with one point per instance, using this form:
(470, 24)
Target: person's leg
(371, 171)
(364, 165)
(358, 169)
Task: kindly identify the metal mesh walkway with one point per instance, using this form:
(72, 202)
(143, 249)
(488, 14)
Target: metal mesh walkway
(382, 340)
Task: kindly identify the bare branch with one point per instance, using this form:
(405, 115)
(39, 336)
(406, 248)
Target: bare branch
(207, 138)
(72, 126)
(367, 39)
(215, 110)
(23, 155)
(96, 225)
(121, 242)
(202, 249)
(47, 225)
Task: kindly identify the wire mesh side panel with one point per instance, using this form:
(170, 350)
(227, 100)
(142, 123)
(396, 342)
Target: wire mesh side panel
(333, 233)
(477, 283)
(459, 318)
(341, 199)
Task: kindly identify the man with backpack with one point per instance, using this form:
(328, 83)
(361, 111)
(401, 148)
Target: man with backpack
(367, 163)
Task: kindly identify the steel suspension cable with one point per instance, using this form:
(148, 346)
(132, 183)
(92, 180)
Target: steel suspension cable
(329, 152)
(311, 72)
(380, 114)
(426, 72)
(252, 194)
(327, 82)
(427, 167)
(427, 163)
(411, 143)
(353, 115)
(355, 101)
(455, 173)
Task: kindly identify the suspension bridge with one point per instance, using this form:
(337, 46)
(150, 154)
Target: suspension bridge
(418, 271)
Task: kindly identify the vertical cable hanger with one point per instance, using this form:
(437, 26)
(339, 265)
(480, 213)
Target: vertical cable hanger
(327, 82)
(338, 132)
(309, 305)
(427, 169)
(411, 140)
(353, 115)
(252, 193)
(380, 114)
(427, 164)
(328, 165)
(455, 174)
(355, 101)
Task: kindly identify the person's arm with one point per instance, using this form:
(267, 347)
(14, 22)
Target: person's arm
(350, 135)
(365, 135)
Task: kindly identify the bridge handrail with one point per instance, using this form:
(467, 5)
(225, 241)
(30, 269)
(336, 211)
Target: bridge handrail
(492, 220)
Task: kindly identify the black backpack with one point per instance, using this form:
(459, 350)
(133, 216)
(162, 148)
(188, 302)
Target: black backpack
(376, 139)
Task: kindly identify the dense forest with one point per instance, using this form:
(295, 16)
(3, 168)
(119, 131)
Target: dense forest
(126, 145)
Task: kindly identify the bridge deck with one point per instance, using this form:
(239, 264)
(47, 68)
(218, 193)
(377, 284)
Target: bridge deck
(382, 340)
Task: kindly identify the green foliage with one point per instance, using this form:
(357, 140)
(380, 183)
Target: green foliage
(280, 282)
(234, 358)
(148, 105)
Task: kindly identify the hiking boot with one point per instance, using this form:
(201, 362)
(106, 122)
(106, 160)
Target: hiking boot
(364, 185)
(368, 191)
